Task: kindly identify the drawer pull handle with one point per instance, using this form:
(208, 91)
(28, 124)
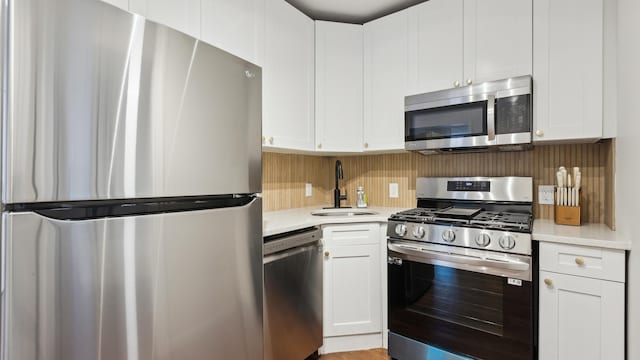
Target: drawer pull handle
(548, 282)
(580, 261)
(326, 254)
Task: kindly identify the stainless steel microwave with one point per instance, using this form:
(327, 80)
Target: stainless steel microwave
(495, 114)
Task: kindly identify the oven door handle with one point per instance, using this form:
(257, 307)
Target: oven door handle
(429, 255)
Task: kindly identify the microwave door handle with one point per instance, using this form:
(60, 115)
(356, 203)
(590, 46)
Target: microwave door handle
(491, 117)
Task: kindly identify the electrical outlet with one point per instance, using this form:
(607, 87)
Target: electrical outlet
(308, 190)
(393, 190)
(545, 194)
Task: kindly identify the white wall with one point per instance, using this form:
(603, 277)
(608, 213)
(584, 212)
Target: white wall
(628, 157)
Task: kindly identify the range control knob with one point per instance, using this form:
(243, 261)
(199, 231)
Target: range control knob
(449, 236)
(418, 232)
(507, 242)
(401, 229)
(483, 240)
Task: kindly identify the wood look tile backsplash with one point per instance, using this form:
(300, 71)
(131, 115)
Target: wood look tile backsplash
(284, 176)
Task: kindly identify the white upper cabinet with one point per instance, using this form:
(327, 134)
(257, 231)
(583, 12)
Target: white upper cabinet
(182, 15)
(460, 42)
(497, 39)
(122, 4)
(288, 78)
(568, 69)
(435, 46)
(385, 81)
(339, 51)
(236, 26)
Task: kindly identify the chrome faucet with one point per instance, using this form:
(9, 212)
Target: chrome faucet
(336, 192)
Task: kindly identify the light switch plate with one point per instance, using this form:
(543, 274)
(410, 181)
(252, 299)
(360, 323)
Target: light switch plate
(545, 194)
(308, 190)
(393, 190)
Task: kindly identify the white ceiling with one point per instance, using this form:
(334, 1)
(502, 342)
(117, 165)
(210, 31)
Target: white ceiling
(350, 11)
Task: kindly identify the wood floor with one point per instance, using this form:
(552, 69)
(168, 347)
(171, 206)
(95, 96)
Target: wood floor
(373, 354)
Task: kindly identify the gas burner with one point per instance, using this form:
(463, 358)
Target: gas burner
(483, 219)
(417, 214)
(503, 220)
(497, 217)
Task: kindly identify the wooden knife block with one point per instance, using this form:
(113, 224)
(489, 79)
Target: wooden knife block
(567, 215)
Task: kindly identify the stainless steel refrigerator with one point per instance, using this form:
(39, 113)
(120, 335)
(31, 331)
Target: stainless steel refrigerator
(131, 172)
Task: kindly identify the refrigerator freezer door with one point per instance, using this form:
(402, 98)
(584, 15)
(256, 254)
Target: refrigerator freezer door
(168, 286)
(103, 104)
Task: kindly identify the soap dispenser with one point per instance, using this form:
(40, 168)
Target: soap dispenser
(362, 198)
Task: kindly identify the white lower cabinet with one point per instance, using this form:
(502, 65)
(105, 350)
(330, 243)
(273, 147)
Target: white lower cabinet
(580, 317)
(352, 290)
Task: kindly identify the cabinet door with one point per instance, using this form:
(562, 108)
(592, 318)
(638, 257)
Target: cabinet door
(568, 69)
(122, 4)
(339, 51)
(352, 295)
(497, 39)
(182, 15)
(580, 318)
(288, 86)
(236, 26)
(385, 81)
(435, 46)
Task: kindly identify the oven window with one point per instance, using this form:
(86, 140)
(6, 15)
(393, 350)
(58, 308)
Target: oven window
(447, 122)
(464, 312)
(513, 114)
(458, 297)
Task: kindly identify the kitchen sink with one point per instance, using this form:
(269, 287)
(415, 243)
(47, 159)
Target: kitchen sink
(342, 212)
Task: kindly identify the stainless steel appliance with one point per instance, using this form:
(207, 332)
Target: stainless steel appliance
(460, 271)
(495, 114)
(293, 295)
(131, 172)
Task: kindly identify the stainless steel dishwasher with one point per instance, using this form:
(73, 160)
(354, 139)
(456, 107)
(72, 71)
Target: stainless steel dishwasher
(293, 295)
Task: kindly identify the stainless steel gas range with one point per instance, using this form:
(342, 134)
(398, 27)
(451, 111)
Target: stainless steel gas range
(460, 271)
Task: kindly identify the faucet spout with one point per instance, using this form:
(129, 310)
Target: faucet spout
(336, 191)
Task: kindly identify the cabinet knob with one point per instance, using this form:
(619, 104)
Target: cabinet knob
(326, 254)
(366, 145)
(271, 140)
(456, 83)
(580, 261)
(539, 133)
(469, 82)
(319, 146)
(548, 282)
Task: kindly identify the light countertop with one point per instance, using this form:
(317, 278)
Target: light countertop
(597, 235)
(276, 222)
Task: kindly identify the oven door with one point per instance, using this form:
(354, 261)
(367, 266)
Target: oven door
(467, 121)
(457, 303)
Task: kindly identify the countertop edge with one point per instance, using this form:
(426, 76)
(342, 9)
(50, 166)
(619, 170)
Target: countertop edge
(282, 221)
(592, 235)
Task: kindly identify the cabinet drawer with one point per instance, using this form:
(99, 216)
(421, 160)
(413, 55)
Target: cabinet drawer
(356, 234)
(597, 263)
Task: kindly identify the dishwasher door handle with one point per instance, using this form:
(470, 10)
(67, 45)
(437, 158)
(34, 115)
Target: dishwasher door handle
(291, 252)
